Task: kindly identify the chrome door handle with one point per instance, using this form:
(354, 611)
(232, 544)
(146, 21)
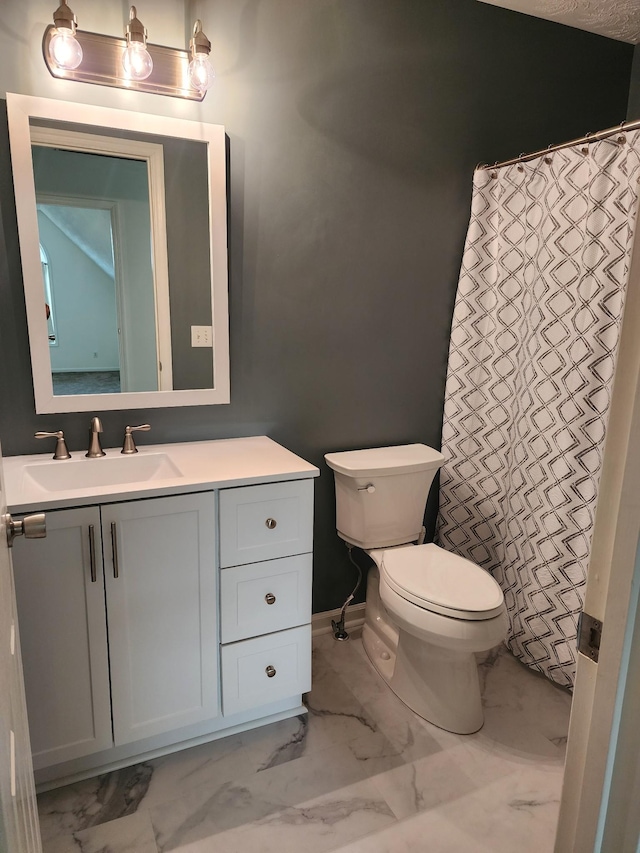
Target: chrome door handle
(31, 527)
(270, 598)
(271, 671)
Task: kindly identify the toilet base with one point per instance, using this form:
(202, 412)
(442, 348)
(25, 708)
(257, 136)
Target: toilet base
(441, 685)
(379, 653)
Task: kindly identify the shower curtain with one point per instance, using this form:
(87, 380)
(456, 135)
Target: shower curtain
(531, 363)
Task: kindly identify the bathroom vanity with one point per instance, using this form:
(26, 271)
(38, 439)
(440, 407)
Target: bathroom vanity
(170, 602)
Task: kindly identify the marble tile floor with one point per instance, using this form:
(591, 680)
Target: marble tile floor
(359, 774)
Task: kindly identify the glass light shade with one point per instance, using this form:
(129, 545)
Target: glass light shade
(201, 73)
(65, 49)
(137, 61)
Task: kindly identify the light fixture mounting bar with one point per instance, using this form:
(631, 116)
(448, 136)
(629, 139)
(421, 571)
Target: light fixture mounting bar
(102, 64)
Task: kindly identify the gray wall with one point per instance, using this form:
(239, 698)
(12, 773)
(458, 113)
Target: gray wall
(354, 127)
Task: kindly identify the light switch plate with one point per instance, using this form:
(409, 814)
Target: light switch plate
(201, 336)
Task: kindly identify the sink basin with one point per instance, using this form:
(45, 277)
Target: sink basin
(60, 476)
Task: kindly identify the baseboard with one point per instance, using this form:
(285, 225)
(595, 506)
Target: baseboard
(354, 618)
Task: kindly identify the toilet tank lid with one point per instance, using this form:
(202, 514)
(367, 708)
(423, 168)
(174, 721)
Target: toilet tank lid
(381, 461)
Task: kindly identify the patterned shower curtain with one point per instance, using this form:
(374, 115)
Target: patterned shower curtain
(533, 349)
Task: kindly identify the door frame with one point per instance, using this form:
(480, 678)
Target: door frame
(608, 596)
(619, 824)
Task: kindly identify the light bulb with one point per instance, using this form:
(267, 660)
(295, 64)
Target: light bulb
(65, 49)
(201, 73)
(137, 61)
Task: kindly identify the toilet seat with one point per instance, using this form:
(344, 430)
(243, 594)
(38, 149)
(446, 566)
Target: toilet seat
(436, 580)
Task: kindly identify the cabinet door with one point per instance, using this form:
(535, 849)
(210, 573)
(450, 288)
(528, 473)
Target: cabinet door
(162, 613)
(61, 611)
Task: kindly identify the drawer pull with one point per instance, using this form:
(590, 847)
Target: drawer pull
(271, 523)
(270, 598)
(271, 671)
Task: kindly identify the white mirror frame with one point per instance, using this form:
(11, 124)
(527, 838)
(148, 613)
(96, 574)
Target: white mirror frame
(20, 109)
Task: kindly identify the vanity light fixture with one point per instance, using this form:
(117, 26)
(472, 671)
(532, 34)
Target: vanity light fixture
(129, 62)
(136, 59)
(64, 47)
(201, 73)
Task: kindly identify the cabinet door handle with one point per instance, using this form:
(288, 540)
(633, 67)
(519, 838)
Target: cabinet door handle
(271, 523)
(92, 553)
(271, 671)
(270, 598)
(114, 549)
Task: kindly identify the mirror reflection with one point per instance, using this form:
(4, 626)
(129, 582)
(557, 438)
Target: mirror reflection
(94, 229)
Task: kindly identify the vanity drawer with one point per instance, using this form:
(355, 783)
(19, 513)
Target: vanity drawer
(264, 522)
(261, 598)
(246, 682)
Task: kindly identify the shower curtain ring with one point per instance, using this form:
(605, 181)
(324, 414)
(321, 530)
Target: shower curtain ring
(520, 166)
(549, 159)
(622, 138)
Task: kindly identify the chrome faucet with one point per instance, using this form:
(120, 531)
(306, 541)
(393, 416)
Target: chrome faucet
(95, 451)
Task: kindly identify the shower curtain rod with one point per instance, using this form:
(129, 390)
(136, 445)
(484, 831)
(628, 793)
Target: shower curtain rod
(587, 138)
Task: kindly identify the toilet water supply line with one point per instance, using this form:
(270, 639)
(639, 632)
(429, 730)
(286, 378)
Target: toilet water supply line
(339, 632)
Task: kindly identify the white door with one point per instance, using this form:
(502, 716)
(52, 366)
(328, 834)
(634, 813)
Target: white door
(604, 694)
(19, 828)
(161, 582)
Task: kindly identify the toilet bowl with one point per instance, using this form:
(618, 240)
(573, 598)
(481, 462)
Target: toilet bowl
(428, 612)
(429, 659)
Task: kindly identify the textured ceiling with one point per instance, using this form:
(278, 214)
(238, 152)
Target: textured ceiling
(617, 19)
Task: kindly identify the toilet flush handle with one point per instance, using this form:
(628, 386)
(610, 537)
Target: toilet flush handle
(368, 488)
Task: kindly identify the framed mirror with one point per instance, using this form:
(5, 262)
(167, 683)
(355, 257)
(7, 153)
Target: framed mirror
(122, 228)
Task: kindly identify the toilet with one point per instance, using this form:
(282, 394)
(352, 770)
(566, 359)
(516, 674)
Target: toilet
(428, 611)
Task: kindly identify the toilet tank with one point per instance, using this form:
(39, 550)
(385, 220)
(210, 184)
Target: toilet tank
(381, 493)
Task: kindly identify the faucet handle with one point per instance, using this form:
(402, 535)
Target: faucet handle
(129, 445)
(62, 451)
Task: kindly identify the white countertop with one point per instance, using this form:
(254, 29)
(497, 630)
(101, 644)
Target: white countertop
(202, 465)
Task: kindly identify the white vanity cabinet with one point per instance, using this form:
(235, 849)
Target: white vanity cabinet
(166, 612)
(118, 615)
